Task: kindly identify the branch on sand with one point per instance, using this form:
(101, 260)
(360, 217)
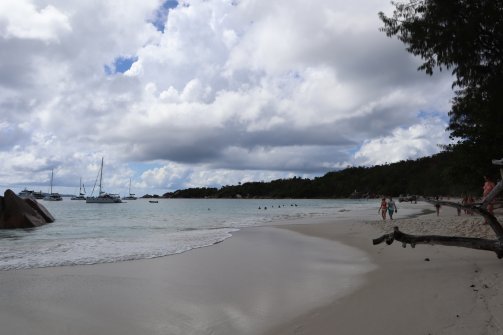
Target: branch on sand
(495, 245)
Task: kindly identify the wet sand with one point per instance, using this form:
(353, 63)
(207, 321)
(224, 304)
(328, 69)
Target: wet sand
(258, 279)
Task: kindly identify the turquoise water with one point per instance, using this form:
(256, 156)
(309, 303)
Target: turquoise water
(102, 233)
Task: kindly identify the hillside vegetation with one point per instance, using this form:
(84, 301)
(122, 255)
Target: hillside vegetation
(441, 174)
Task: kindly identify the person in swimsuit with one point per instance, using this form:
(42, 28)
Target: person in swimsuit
(383, 208)
(391, 208)
(470, 202)
(464, 202)
(487, 188)
(437, 205)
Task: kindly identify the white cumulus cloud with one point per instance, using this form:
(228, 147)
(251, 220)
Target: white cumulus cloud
(228, 91)
(415, 141)
(23, 19)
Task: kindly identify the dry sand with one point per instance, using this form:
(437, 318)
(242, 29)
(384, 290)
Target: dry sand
(425, 290)
(273, 281)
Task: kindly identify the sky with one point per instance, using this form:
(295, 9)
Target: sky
(206, 93)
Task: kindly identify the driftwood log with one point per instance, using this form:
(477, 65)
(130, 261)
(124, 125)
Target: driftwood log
(495, 245)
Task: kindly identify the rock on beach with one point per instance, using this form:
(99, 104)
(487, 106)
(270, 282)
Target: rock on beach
(16, 212)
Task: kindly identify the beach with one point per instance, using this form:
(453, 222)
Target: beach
(275, 280)
(421, 290)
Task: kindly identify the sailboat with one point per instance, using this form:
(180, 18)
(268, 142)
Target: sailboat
(131, 196)
(53, 196)
(81, 195)
(103, 198)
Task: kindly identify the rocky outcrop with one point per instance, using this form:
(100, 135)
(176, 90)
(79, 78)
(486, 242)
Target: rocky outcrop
(16, 212)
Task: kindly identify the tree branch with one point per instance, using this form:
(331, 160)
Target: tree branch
(466, 242)
(479, 208)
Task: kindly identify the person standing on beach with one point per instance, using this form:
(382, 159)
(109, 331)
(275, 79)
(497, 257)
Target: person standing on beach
(487, 188)
(383, 208)
(437, 205)
(391, 208)
(464, 202)
(470, 201)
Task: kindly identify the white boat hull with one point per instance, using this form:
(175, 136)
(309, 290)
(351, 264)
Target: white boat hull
(103, 200)
(53, 197)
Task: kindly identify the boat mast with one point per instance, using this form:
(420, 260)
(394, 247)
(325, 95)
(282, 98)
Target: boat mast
(101, 173)
(52, 175)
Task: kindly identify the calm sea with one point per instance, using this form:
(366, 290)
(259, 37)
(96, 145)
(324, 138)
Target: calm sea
(102, 233)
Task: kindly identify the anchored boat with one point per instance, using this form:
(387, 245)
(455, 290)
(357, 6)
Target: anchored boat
(103, 197)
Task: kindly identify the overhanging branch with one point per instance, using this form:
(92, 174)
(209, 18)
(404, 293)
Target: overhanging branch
(478, 208)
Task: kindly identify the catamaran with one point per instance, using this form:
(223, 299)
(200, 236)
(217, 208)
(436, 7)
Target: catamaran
(26, 193)
(81, 195)
(102, 198)
(53, 196)
(131, 196)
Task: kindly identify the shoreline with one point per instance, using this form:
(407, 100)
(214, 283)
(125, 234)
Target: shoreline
(250, 283)
(272, 280)
(421, 290)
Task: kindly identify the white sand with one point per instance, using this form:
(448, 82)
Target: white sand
(457, 291)
(448, 222)
(272, 281)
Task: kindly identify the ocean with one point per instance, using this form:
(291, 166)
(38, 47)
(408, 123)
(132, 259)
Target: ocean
(105, 233)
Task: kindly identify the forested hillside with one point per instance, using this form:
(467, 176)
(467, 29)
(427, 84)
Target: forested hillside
(436, 175)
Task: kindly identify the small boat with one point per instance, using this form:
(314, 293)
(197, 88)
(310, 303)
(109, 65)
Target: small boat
(153, 201)
(38, 195)
(131, 196)
(53, 196)
(81, 195)
(103, 197)
(26, 193)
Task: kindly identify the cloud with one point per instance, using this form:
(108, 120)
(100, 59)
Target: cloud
(232, 90)
(413, 142)
(22, 19)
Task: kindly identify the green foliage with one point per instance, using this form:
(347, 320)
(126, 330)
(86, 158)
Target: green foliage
(436, 175)
(202, 192)
(465, 36)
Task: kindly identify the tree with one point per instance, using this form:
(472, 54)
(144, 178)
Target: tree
(466, 37)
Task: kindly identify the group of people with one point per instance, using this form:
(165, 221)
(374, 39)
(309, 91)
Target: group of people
(486, 189)
(387, 207)
(467, 200)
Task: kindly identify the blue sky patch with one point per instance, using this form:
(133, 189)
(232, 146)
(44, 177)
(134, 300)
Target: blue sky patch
(428, 114)
(161, 15)
(120, 65)
(140, 167)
